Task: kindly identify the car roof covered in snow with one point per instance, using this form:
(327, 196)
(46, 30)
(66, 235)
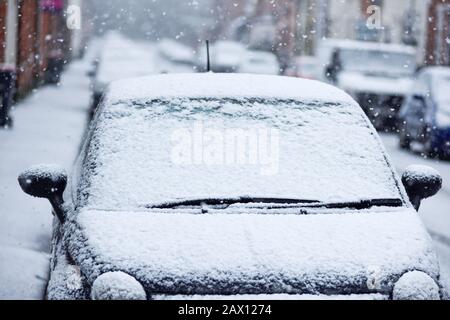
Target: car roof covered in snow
(203, 85)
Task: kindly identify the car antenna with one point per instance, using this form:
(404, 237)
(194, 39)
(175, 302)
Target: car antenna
(208, 58)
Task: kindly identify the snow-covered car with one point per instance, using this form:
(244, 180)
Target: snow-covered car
(235, 185)
(424, 118)
(260, 62)
(120, 58)
(226, 56)
(377, 75)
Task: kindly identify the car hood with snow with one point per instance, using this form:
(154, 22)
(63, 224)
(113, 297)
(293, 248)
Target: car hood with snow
(238, 252)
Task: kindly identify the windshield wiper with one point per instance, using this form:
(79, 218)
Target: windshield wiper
(360, 205)
(303, 203)
(229, 202)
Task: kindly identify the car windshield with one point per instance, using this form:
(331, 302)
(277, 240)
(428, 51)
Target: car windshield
(152, 152)
(378, 62)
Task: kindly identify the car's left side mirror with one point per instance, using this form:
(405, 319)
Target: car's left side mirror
(48, 182)
(421, 182)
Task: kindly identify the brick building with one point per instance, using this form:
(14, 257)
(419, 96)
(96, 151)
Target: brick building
(32, 35)
(34, 46)
(27, 32)
(438, 33)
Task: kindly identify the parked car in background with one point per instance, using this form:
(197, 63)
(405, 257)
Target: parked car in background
(304, 67)
(424, 120)
(176, 52)
(377, 75)
(149, 213)
(226, 57)
(120, 58)
(260, 62)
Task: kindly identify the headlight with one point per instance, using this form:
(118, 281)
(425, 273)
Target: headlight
(416, 285)
(117, 286)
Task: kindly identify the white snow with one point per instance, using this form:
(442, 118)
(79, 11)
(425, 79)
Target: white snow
(218, 85)
(274, 297)
(130, 161)
(47, 129)
(359, 82)
(433, 211)
(307, 67)
(117, 286)
(49, 125)
(260, 62)
(175, 51)
(416, 285)
(369, 45)
(440, 84)
(121, 58)
(65, 282)
(226, 252)
(227, 54)
(421, 172)
(52, 171)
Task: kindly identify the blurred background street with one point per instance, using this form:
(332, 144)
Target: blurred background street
(58, 57)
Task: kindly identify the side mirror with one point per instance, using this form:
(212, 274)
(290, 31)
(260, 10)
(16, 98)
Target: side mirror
(48, 182)
(421, 182)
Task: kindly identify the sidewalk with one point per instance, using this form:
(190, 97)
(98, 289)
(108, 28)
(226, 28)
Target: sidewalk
(48, 127)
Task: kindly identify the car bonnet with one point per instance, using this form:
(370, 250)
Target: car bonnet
(175, 252)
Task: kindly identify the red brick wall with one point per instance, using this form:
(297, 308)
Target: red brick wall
(27, 43)
(3, 11)
(432, 33)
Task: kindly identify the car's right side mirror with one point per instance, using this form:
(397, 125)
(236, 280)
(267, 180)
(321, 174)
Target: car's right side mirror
(421, 182)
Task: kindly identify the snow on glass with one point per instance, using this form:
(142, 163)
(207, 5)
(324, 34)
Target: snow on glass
(311, 155)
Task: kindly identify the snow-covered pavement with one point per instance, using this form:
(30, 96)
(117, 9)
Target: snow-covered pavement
(48, 128)
(435, 212)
